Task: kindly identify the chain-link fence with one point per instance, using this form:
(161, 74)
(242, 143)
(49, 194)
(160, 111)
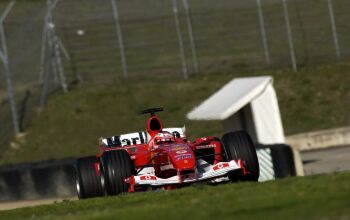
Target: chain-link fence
(108, 41)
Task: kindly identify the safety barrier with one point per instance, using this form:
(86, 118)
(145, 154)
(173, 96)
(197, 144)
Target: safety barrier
(46, 179)
(275, 161)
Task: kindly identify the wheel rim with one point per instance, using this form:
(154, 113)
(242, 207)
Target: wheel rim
(77, 185)
(103, 183)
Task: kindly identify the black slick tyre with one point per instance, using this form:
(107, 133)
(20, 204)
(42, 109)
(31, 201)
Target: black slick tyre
(88, 183)
(117, 166)
(239, 145)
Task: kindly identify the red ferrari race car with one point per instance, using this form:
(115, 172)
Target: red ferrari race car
(164, 158)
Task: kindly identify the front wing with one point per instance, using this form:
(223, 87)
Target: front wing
(204, 172)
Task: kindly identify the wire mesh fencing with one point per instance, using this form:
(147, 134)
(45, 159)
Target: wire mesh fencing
(51, 43)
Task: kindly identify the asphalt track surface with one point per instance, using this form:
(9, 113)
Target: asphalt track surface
(326, 161)
(315, 162)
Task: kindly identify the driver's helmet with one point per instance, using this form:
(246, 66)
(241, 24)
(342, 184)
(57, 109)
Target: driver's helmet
(164, 137)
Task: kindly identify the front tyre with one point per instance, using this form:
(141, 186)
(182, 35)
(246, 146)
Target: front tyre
(239, 145)
(88, 183)
(117, 166)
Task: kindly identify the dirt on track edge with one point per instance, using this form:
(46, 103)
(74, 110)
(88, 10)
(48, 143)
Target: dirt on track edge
(28, 203)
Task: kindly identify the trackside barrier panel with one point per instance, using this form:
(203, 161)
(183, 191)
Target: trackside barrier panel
(46, 179)
(275, 161)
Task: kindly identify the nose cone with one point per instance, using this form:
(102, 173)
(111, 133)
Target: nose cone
(182, 158)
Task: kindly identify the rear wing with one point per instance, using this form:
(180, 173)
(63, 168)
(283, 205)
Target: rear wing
(141, 137)
(125, 139)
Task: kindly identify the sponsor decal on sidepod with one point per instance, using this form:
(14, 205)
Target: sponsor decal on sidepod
(205, 146)
(181, 151)
(183, 156)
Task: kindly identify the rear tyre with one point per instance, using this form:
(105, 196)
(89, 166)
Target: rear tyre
(88, 183)
(239, 145)
(117, 166)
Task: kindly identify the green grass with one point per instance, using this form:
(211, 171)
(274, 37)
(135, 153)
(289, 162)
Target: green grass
(312, 99)
(314, 197)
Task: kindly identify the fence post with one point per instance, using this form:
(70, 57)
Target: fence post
(51, 57)
(45, 84)
(54, 47)
(120, 38)
(263, 33)
(334, 28)
(50, 60)
(59, 64)
(7, 70)
(179, 36)
(289, 33)
(191, 35)
(42, 54)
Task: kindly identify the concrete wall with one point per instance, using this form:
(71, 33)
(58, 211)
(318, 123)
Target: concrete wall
(320, 139)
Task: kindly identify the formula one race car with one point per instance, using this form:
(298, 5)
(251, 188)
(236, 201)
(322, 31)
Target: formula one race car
(164, 158)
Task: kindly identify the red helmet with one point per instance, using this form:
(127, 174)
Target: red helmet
(164, 137)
